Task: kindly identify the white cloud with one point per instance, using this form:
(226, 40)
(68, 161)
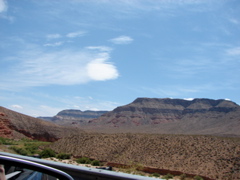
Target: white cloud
(38, 68)
(15, 106)
(3, 6)
(234, 51)
(100, 48)
(188, 99)
(122, 40)
(100, 71)
(54, 44)
(76, 34)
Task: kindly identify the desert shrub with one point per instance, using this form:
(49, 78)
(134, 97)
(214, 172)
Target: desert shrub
(156, 175)
(138, 166)
(83, 160)
(46, 153)
(26, 140)
(31, 148)
(63, 156)
(95, 163)
(6, 141)
(197, 178)
(2, 140)
(183, 176)
(19, 150)
(168, 176)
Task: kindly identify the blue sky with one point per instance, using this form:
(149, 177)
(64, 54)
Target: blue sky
(100, 54)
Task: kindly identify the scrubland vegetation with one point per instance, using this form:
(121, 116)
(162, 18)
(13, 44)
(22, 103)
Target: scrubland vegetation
(23, 146)
(206, 156)
(29, 147)
(170, 155)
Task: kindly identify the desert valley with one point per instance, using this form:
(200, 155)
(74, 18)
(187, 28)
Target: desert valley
(197, 137)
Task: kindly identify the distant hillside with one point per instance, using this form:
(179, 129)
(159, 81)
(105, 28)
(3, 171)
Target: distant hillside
(74, 117)
(16, 125)
(213, 157)
(172, 116)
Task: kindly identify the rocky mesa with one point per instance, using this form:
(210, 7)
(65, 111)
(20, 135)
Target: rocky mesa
(172, 116)
(74, 117)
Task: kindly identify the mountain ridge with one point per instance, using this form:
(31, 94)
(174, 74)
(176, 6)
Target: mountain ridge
(16, 126)
(158, 115)
(172, 116)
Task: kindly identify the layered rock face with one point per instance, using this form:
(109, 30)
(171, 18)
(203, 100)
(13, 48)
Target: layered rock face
(174, 116)
(5, 126)
(16, 125)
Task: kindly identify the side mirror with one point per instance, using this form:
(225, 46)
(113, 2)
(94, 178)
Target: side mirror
(22, 169)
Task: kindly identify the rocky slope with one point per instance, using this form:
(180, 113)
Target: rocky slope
(213, 157)
(16, 125)
(172, 116)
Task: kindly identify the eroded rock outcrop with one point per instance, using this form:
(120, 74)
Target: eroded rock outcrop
(5, 126)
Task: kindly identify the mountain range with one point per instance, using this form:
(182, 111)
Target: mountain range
(163, 116)
(171, 135)
(143, 115)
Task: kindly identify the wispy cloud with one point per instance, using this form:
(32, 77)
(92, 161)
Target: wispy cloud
(188, 67)
(234, 21)
(53, 36)
(233, 51)
(3, 6)
(180, 91)
(100, 48)
(16, 106)
(76, 34)
(129, 9)
(89, 103)
(54, 44)
(121, 40)
(3, 11)
(66, 67)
